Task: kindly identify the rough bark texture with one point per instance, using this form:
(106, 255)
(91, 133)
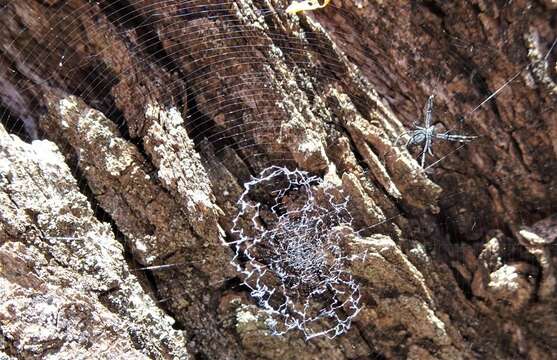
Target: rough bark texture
(129, 128)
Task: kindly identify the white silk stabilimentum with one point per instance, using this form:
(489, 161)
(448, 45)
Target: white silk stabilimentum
(289, 248)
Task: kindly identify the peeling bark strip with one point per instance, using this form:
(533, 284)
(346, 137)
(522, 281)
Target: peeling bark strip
(129, 129)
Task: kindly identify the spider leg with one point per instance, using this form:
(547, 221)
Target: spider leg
(410, 141)
(428, 110)
(400, 136)
(426, 149)
(456, 138)
(428, 144)
(424, 153)
(429, 149)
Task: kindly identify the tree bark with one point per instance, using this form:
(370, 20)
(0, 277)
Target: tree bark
(129, 130)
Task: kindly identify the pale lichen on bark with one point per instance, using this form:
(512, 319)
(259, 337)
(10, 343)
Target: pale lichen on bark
(67, 291)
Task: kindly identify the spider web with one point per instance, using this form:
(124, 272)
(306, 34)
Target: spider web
(241, 123)
(295, 263)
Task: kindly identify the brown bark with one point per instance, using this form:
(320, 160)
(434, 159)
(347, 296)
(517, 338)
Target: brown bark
(147, 117)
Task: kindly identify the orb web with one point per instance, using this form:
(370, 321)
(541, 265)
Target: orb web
(292, 253)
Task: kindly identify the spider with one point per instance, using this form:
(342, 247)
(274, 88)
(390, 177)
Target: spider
(427, 133)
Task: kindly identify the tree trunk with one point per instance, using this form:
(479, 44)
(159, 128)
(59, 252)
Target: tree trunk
(129, 129)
